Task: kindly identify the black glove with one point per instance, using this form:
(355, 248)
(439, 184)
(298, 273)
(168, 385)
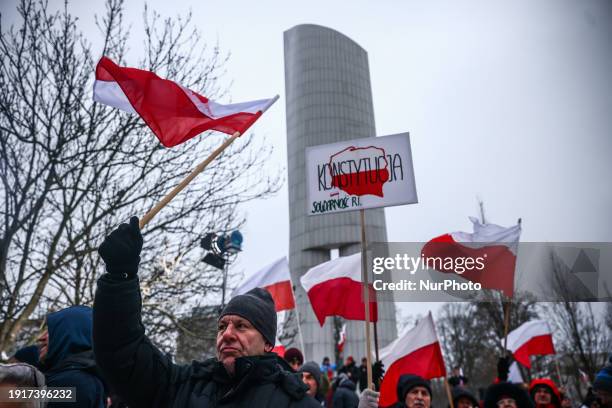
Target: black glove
(121, 250)
(378, 370)
(503, 367)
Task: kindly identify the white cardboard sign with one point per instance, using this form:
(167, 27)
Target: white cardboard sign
(358, 174)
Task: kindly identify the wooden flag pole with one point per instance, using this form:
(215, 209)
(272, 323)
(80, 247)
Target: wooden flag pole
(506, 325)
(559, 373)
(200, 167)
(449, 394)
(366, 297)
(507, 308)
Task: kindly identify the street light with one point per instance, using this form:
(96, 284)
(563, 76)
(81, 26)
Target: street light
(219, 248)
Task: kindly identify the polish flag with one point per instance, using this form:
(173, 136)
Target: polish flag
(368, 174)
(275, 278)
(335, 288)
(493, 245)
(533, 338)
(174, 113)
(416, 352)
(342, 339)
(279, 348)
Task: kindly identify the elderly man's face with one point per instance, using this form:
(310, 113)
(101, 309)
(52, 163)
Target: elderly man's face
(418, 397)
(237, 337)
(542, 396)
(310, 381)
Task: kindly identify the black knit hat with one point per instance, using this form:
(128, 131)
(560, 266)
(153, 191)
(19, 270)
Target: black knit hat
(501, 390)
(257, 306)
(460, 392)
(312, 368)
(407, 382)
(603, 379)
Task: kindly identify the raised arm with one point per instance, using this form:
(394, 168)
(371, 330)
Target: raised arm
(133, 366)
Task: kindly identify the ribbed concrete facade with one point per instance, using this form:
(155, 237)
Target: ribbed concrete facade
(328, 99)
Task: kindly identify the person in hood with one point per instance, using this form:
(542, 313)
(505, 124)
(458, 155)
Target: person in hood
(294, 357)
(413, 391)
(507, 395)
(544, 393)
(243, 374)
(603, 385)
(67, 360)
(345, 395)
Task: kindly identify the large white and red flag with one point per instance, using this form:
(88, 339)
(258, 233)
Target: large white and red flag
(174, 113)
(417, 352)
(335, 288)
(533, 338)
(276, 279)
(495, 248)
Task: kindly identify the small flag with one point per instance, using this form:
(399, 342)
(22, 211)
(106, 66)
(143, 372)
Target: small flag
(342, 339)
(276, 279)
(335, 288)
(415, 352)
(533, 338)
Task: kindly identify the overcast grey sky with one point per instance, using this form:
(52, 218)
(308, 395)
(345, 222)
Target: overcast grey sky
(510, 101)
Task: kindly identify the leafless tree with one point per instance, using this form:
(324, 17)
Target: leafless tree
(584, 337)
(72, 169)
(472, 333)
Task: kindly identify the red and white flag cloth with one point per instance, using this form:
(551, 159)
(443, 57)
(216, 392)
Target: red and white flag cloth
(279, 348)
(514, 374)
(276, 279)
(335, 288)
(415, 352)
(342, 339)
(533, 338)
(174, 113)
(494, 245)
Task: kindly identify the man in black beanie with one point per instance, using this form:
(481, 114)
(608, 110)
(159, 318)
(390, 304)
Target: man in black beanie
(243, 372)
(413, 391)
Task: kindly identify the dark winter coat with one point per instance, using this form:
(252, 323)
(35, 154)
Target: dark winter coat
(352, 371)
(363, 377)
(145, 377)
(345, 396)
(69, 361)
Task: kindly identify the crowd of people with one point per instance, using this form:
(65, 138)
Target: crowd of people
(104, 354)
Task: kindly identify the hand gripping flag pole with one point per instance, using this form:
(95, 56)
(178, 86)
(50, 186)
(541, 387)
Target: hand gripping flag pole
(199, 168)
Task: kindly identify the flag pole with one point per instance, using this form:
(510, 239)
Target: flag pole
(507, 307)
(506, 324)
(366, 296)
(199, 168)
(449, 394)
(559, 373)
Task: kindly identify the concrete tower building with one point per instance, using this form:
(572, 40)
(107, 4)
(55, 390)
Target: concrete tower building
(328, 99)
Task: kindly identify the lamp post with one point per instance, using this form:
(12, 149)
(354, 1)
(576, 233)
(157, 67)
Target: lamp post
(219, 248)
